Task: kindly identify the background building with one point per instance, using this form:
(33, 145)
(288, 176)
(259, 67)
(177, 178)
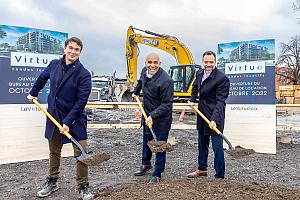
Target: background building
(250, 52)
(38, 42)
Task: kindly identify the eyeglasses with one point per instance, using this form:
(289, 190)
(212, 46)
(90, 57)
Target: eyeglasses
(154, 62)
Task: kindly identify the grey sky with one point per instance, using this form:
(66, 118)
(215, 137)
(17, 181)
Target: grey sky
(199, 24)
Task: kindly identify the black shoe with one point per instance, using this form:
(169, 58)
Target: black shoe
(84, 192)
(143, 170)
(49, 187)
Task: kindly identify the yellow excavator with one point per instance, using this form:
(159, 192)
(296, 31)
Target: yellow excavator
(183, 74)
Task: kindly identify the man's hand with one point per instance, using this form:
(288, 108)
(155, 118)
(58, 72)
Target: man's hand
(29, 97)
(149, 121)
(192, 104)
(65, 128)
(133, 96)
(212, 125)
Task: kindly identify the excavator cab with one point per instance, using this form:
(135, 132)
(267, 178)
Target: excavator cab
(183, 76)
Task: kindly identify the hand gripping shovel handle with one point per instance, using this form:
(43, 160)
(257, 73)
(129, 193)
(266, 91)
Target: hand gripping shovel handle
(66, 133)
(145, 116)
(214, 127)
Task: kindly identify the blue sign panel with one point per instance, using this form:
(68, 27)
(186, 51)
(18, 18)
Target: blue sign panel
(24, 53)
(250, 66)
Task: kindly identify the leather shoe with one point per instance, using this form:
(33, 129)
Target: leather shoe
(197, 173)
(143, 170)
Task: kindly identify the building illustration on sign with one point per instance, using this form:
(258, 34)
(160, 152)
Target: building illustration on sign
(30, 40)
(246, 51)
(39, 42)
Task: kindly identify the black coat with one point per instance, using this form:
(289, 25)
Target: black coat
(67, 98)
(157, 99)
(212, 94)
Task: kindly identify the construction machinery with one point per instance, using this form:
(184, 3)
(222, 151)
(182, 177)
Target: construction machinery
(182, 74)
(101, 89)
(109, 89)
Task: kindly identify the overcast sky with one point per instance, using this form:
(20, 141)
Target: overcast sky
(199, 24)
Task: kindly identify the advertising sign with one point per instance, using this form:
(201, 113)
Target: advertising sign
(251, 109)
(24, 53)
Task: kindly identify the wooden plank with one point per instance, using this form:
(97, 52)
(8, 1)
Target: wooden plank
(135, 126)
(176, 106)
(287, 106)
(134, 105)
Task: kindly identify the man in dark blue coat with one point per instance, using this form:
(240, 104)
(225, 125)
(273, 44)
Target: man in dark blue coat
(157, 88)
(70, 86)
(212, 88)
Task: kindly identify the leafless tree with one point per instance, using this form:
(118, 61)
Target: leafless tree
(290, 58)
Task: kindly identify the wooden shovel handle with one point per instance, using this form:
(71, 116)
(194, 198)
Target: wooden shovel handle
(51, 118)
(142, 109)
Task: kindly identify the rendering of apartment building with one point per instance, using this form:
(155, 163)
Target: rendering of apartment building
(38, 42)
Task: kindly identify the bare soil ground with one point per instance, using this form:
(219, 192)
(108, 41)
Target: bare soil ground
(257, 176)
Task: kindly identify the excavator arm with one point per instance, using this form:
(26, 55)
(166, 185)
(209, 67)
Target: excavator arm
(167, 43)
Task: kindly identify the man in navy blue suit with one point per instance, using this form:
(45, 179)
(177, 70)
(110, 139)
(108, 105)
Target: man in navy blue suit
(70, 87)
(212, 88)
(157, 88)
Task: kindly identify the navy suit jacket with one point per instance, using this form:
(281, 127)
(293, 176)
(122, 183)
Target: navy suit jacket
(157, 99)
(67, 99)
(212, 94)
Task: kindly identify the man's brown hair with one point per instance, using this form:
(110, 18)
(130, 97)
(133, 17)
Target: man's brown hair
(208, 53)
(76, 40)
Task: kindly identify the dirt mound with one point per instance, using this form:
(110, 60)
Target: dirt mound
(239, 152)
(256, 176)
(200, 188)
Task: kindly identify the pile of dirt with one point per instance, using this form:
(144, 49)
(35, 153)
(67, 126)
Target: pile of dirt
(200, 188)
(160, 146)
(240, 152)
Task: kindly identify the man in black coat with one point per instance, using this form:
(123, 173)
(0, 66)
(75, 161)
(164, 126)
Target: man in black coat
(157, 88)
(212, 86)
(70, 86)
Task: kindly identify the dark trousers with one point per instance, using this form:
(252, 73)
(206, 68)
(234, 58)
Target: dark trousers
(160, 160)
(55, 147)
(217, 145)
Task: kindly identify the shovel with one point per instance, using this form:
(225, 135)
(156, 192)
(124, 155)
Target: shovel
(234, 152)
(88, 158)
(154, 145)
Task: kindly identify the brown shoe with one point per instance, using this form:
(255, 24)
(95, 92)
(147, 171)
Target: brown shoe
(197, 173)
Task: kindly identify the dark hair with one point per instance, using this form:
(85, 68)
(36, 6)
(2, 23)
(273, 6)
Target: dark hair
(208, 53)
(76, 40)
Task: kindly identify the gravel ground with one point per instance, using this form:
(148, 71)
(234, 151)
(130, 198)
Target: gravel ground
(252, 177)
